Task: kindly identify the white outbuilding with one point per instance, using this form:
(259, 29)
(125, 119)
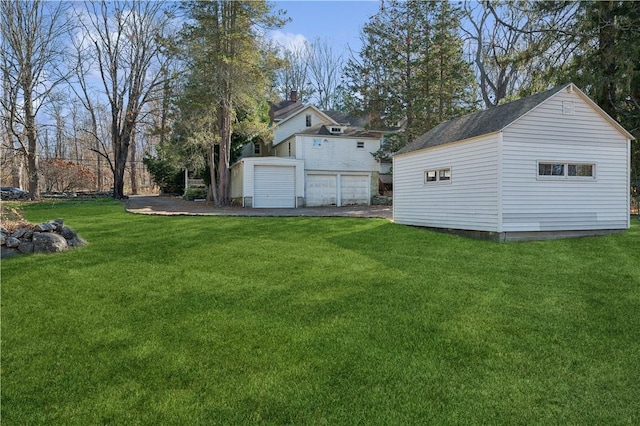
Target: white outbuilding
(550, 165)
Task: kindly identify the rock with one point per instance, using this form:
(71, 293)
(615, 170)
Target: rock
(47, 237)
(68, 233)
(4, 230)
(12, 242)
(20, 233)
(6, 252)
(48, 242)
(26, 247)
(77, 242)
(45, 227)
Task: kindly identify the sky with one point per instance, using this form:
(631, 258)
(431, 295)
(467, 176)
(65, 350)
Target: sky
(339, 22)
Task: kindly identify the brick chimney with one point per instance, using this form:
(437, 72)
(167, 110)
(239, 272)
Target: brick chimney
(294, 96)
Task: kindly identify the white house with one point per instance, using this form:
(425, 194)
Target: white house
(315, 159)
(550, 165)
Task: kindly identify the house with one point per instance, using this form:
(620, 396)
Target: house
(547, 166)
(316, 158)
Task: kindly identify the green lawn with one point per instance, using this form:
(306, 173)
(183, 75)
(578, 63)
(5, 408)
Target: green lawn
(214, 320)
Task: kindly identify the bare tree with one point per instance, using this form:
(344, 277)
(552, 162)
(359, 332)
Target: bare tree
(512, 44)
(30, 54)
(295, 74)
(325, 69)
(126, 40)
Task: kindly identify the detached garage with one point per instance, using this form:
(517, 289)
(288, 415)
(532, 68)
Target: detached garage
(550, 165)
(267, 182)
(337, 189)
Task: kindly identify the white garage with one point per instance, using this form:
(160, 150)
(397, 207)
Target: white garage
(337, 189)
(267, 182)
(274, 186)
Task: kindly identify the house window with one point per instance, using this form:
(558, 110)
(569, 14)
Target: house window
(289, 146)
(256, 148)
(360, 144)
(317, 143)
(438, 175)
(566, 170)
(336, 130)
(308, 120)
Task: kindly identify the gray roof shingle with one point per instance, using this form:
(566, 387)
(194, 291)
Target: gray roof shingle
(479, 123)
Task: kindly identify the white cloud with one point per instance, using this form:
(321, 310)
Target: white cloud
(288, 41)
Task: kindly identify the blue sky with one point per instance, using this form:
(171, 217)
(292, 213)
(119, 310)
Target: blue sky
(337, 21)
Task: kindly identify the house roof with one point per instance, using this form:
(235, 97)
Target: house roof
(493, 120)
(351, 132)
(347, 119)
(283, 109)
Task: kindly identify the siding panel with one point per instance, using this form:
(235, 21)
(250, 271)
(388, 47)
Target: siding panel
(469, 201)
(545, 134)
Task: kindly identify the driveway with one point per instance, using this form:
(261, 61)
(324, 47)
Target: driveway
(175, 206)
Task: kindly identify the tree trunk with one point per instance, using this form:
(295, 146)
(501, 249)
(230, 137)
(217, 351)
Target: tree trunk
(121, 151)
(224, 154)
(132, 165)
(32, 141)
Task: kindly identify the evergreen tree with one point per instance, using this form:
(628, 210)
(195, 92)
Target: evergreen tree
(411, 69)
(227, 82)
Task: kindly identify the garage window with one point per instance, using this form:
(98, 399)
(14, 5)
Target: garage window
(360, 145)
(437, 175)
(549, 170)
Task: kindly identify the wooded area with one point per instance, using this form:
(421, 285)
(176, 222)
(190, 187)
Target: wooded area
(91, 91)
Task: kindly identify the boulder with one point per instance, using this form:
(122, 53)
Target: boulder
(6, 252)
(68, 233)
(48, 242)
(26, 247)
(77, 242)
(12, 242)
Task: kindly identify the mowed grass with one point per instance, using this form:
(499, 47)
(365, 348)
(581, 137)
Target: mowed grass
(221, 320)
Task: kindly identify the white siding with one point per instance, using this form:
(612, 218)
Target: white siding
(337, 153)
(546, 134)
(297, 124)
(469, 201)
(237, 174)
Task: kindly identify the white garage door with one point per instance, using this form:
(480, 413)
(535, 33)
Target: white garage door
(274, 186)
(354, 189)
(321, 190)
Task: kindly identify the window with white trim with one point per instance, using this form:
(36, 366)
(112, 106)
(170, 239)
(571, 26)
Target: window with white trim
(437, 175)
(360, 144)
(308, 120)
(566, 170)
(256, 148)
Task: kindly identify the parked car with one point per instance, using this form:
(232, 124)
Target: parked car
(12, 193)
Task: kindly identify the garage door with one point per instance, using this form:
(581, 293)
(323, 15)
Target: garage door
(321, 190)
(274, 186)
(354, 189)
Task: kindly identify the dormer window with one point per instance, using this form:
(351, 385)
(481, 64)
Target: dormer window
(335, 130)
(308, 120)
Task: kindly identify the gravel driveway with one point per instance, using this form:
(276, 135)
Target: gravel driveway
(172, 206)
